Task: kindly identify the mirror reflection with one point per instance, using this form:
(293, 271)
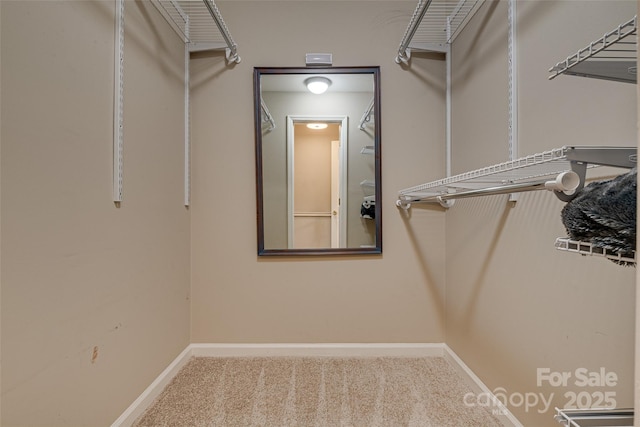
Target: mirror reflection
(318, 160)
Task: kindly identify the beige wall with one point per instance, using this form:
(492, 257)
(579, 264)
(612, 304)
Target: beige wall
(514, 303)
(79, 273)
(95, 298)
(395, 297)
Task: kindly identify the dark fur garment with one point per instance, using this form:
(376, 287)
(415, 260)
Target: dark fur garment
(603, 213)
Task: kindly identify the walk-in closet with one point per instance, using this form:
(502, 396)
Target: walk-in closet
(480, 268)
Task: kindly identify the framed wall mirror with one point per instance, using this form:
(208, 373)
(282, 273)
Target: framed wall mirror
(318, 163)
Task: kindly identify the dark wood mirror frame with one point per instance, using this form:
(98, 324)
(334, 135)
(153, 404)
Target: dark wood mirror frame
(259, 72)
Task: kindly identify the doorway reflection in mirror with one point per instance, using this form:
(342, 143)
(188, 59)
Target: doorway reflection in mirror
(317, 187)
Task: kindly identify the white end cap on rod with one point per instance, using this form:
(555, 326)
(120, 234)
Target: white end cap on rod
(567, 182)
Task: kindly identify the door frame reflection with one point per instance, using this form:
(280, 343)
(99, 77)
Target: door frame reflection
(343, 123)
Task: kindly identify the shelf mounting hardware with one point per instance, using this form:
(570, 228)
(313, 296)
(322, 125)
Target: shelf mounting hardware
(118, 118)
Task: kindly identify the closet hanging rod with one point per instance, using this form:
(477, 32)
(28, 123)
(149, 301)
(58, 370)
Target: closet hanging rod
(232, 47)
(414, 23)
(565, 182)
(366, 117)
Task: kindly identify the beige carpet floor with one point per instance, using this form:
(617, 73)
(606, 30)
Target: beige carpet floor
(321, 391)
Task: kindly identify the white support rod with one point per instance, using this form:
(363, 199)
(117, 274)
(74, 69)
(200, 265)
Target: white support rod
(118, 135)
(187, 128)
(513, 82)
(513, 86)
(565, 182)
(418, 14)
(224, 31)
(448, 147)
(502, 189)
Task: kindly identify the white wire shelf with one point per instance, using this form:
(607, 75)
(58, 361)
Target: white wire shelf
(368, 149)
(367, 115)
(267, 118)
(199, 24)
(612, 57)
(523, 174)
(435, 24)
(586, 248)
(595, 417)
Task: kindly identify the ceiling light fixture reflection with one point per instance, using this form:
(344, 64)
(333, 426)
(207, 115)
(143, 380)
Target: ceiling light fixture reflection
(317, 126)
(317, 84)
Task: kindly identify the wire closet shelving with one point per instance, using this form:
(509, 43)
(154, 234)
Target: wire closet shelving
(611, 57)
(433, 27)
(200, 24)
(595, 418)
(561, 170)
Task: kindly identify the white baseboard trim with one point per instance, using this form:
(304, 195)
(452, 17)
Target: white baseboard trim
(149, 395)
(146, 399)
(317, 350)
(479, 388)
